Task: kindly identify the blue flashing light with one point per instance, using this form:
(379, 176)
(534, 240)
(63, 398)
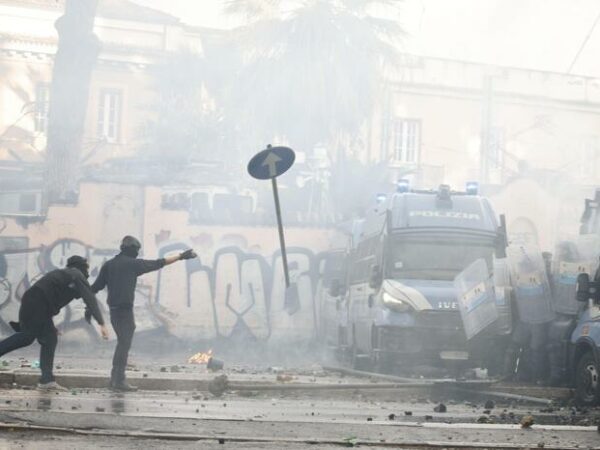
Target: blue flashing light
(381, 198)
(402, 186)
(472, 188)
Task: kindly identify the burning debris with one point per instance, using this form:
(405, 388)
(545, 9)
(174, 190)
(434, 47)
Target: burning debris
(213, 364)
(200, 358)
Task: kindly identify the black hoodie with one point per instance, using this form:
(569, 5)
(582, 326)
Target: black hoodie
(62, 286)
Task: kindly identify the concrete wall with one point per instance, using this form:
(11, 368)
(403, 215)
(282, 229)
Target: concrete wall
(235, 286)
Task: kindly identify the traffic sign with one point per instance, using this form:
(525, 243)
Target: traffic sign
(268, 165)
(271, 162)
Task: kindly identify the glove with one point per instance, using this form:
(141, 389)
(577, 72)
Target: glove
(88, 315)
(188, 254)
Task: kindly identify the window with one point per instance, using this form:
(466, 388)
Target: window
(407, 140)
(42, 103)
(109, 115)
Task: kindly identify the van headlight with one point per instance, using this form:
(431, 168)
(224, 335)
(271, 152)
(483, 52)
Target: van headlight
(395, 304)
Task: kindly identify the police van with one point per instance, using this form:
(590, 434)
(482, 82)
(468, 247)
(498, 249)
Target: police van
(400, 296)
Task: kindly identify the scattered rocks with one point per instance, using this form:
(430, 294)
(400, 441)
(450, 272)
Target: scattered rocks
(526, 421)
(441, 408)
(218, 385)
(248, 394)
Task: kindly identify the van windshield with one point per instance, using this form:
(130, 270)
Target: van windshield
(436, 258)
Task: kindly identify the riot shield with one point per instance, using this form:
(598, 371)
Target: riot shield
(476, 298)
(572, 256)
(530, 282)
(502, 289)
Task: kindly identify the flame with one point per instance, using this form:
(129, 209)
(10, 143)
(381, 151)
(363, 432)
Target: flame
(200, 358)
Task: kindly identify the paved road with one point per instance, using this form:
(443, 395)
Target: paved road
(268, 420)
(272, 419)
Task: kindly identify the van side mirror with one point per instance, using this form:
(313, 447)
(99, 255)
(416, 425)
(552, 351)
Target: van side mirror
(376, 277)
(583, 287)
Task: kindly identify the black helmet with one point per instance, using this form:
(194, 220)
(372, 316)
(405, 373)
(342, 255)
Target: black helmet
(80, 263)
(130, 242)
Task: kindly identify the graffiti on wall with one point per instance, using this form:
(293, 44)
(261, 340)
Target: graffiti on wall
(235, 292)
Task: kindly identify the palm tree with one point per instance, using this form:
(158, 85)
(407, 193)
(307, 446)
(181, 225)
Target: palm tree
(75, 58)
(312, 69)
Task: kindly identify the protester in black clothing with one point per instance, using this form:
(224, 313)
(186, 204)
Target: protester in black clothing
(45, 299)
(120, 274)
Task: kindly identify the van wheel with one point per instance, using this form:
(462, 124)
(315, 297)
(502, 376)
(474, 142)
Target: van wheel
(587, 380)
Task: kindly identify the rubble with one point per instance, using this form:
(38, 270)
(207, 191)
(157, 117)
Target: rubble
(214, 364)
(526, 421)
(284, 378)
(441, 408)
(219, 385)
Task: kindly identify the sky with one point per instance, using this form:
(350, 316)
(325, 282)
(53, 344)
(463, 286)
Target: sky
(536, 34)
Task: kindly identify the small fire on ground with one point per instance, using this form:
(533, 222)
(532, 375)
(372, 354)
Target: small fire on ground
(200, 358)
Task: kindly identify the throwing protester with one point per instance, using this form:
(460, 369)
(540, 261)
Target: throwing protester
(119, 275)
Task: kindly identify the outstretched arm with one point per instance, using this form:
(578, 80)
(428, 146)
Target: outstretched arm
(188, 254)
(150, 265)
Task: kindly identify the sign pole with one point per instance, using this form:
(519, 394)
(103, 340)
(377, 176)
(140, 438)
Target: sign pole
(269, 164)
(281, 236)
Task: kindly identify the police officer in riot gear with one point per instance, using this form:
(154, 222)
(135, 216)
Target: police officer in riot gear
(528, 344)
(45, 299)
(119, 275)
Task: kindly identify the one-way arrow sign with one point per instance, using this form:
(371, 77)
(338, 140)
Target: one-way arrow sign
(271, 161)
(269, 164)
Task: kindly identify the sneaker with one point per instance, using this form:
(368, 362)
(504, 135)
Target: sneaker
(51, 386)
(123, 387)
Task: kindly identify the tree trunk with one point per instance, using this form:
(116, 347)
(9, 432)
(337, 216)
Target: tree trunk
(76, 56)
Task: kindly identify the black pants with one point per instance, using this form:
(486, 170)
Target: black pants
(123, 322)
(35, 319)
